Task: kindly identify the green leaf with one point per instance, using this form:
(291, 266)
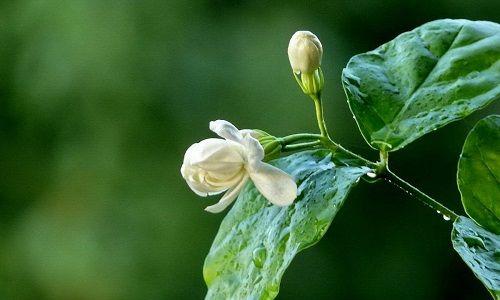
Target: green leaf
(479, 173)
(422, 80)
(257, 240)
(480, 250)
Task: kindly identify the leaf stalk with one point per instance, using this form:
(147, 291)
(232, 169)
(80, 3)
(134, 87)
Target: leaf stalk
(419, 195)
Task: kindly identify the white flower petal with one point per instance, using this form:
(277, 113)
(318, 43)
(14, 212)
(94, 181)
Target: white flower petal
(197, 182)
(250, 132)
(214, 151)
(254, 150)
(305, 52)
(213, 165)
(224, 180)
(228, 197)
(226, 130)
(275, 185)
(203, 190)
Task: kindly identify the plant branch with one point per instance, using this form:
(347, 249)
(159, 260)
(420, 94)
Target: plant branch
(334, 147)
(380, 167)
(383, 164)
(289, 139)
(416, 193)
(300, 146)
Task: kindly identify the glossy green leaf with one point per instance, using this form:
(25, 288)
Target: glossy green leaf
(422, 80)
(257, 240)
(479, 173)
(480, 250)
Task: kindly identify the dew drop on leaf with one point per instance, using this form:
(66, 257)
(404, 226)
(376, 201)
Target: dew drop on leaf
(259, 256)
(371, 174)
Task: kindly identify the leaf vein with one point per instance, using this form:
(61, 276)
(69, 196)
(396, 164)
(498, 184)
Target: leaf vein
(411, 98)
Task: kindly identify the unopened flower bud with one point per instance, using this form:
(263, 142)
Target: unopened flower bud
(305, 52)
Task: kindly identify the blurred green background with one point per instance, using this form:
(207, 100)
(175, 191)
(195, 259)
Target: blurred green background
(100, 99)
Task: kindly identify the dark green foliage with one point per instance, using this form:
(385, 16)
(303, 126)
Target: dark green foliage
(257, 240)
(480, 250)
(422, 80)
(479, 173)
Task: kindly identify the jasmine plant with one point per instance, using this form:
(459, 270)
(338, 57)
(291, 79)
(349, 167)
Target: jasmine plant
(420, 81)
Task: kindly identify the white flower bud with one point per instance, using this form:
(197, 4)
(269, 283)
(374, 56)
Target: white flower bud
(213, 166)
(305, 52)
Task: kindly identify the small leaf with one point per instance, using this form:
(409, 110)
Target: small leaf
(257, 240)
(422, 80)
(480, 250)
(479, 173)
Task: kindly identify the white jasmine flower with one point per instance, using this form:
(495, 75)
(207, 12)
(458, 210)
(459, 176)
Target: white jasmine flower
(305, 52)
(215, 165)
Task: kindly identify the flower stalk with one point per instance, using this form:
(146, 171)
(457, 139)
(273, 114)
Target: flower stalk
(318, 105)
(301, 146)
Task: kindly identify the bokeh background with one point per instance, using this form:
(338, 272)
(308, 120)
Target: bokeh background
(100, 99)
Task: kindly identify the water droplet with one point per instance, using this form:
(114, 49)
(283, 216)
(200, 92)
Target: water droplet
(259, 256)
(371, 174)
(446, 218)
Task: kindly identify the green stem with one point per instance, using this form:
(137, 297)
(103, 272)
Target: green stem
(298, 137)
(416, 193)
(327, 142)
(286, 142)
(381, 167)
(300, 146)
(319, 115)
(395, 180)
(383, 164)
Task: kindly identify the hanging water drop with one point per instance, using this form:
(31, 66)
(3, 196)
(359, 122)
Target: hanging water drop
(371, 174)
(259, 255)
(446, 218)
